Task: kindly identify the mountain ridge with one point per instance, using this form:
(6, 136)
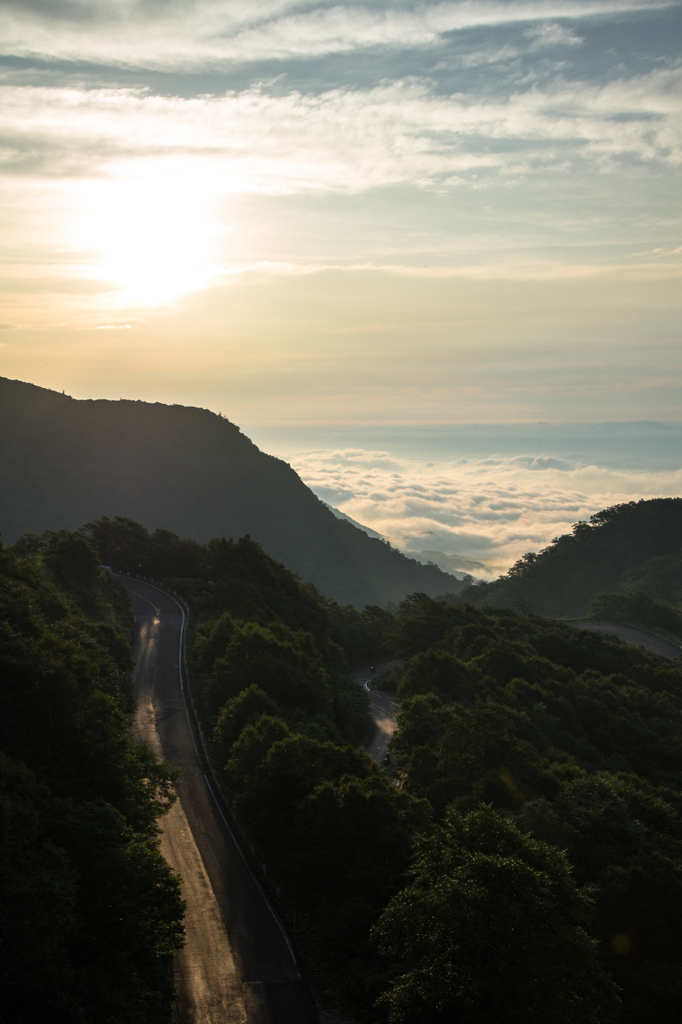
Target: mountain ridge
(64, 461)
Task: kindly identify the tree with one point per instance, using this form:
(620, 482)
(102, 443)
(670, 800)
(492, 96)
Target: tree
(90, 913)
(491, 930)
(422, 622)
(351, 845)
(272, 769)
(441, 673)
(637, 607)
(122, 543)
(283, 663)
(38, 892)
(71, 558)
(244, 709)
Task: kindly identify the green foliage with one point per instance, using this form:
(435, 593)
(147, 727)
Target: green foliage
(283, 663)
(438, 672)
(360, 633)
(244, 709)
(91, 912)
(548, 757)
(38, 892)
(491, 930)
(122, 544)
(272, 769)
(72, 559)
(420, 624)
(636, 607)
(352, 846)
(212, 640)
(287, 668)
(574, 737)
(73, 566)
(350, 710)
(336, 836)
(129, 917)
(269, 674)
(625, 840)
(269, 679)
(218, 577)
(636, 546)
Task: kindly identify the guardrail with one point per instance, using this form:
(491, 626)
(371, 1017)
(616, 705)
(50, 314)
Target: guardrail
(187, 691)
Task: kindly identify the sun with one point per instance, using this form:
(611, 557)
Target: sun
(149, 238)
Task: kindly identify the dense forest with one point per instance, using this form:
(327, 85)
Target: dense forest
(634, 547)
(550, 885)
(520, 860)
(90, 913)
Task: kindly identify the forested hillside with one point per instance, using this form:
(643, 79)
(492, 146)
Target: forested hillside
(90, 913)
(552, 761)
(519, 861)
(64, 462)
(529, 865)
(635, 547)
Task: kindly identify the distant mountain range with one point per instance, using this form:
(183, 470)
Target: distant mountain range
(64, 462)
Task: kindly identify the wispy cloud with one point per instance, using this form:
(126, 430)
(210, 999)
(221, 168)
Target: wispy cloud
(660, 251)
(345, 140)
(191, 35)
(513, 268)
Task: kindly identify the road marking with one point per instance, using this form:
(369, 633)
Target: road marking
(379, 696)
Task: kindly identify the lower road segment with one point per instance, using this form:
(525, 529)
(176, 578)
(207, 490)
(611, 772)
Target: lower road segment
(237, 966)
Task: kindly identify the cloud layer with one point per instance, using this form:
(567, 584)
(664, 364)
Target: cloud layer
(477, 515)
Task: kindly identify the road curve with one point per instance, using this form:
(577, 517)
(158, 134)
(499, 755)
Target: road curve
(631, 635)
(237, 966)
(384, 713)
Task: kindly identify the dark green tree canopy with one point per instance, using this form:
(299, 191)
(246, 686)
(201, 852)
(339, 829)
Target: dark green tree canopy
(91, 913)
(575, 740)
(491, 930)
(635, 546)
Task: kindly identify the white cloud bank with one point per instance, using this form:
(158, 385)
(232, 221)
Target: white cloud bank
(476, 512)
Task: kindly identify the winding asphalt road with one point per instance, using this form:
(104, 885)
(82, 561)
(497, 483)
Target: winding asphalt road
(384, 713)
(237, 966)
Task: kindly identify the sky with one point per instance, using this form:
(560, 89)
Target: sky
(329, 220)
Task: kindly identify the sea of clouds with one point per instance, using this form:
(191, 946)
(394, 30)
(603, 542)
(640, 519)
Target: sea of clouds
(476, 514)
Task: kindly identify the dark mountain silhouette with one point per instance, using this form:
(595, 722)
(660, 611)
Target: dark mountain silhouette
(631, 548)
(64, 462)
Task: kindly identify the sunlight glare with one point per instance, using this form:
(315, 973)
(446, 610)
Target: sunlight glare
(151, 237)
